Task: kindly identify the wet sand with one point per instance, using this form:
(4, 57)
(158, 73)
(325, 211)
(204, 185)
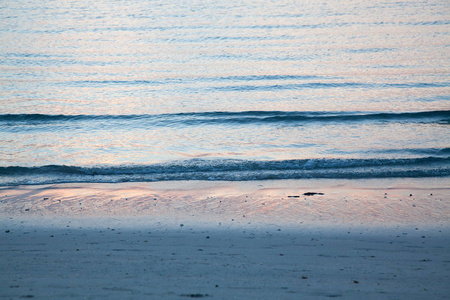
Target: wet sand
(259, 240)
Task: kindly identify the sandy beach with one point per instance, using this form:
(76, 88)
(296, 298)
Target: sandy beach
(222, 240)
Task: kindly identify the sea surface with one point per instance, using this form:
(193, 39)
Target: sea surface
(114, 91)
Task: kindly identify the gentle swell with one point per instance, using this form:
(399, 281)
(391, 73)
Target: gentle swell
(232, 170)
(246, 117)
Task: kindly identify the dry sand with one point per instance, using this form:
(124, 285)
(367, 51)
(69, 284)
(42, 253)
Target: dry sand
(220, 240)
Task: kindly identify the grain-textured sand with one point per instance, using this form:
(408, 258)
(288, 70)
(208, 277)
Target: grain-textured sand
(363, 240)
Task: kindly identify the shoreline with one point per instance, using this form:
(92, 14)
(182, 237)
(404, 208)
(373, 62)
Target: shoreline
(226, 240)
(368, 203)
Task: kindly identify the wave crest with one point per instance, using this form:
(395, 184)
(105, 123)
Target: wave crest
(249, 117)
(231, 170)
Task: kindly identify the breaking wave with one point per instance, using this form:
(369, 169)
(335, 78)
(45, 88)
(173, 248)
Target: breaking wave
(231, 170)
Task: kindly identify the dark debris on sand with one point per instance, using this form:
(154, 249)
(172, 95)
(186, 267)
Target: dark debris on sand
(306, 194)
(312, 194)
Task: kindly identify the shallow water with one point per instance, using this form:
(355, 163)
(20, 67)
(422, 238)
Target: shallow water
(235, 90)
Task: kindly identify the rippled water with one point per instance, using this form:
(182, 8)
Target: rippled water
(237, 90)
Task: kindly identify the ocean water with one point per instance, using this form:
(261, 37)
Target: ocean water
(114, 91)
